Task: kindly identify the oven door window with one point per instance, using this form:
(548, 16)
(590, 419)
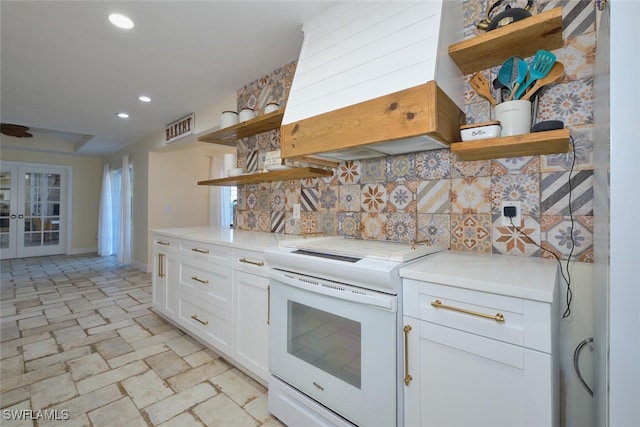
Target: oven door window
(327, 341)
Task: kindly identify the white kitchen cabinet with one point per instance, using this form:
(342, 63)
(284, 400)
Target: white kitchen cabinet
(205, 293)
(251, 312)
(477, 358)
(165, 270)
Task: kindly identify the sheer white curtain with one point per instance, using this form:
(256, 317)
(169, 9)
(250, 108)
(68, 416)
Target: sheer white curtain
(105, 218)
(219, 197)
(124, 225)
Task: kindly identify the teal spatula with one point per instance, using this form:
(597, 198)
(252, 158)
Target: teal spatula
(540, 67)
(523, 70)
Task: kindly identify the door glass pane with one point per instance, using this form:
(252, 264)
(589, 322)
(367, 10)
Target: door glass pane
(327, 341)
(42, 207)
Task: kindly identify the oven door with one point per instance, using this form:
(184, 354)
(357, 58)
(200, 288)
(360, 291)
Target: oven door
(336, 344)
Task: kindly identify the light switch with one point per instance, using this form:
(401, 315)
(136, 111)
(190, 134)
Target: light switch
(296, 211)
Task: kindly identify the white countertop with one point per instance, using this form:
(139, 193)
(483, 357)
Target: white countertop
(522, 277)
(242, 239)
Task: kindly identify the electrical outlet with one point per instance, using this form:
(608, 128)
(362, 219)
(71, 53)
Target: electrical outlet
(296, 211)
(517, 220)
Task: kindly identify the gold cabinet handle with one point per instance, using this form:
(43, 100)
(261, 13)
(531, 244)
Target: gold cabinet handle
(407, 376)
(197, 279)
(498, 317)
(268, 304)
(202, 251)
(247, 261)
(202, 322)
(160, 242)
(161, 265)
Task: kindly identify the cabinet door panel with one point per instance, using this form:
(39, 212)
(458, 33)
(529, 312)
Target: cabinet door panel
(251, 315)
(466, 380)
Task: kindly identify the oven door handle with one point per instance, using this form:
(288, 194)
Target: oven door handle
(387, 302)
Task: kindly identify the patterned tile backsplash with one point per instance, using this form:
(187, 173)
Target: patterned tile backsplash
(435, 195)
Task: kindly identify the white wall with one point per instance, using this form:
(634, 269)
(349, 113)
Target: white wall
(86, 177)
(149, 190)
(624, 366)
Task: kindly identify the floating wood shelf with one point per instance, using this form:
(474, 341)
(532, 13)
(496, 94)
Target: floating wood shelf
(281, 175)
(230, 135)
(523, 38)
(530, 144)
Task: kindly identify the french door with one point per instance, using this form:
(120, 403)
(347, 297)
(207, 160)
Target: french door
(33, 210)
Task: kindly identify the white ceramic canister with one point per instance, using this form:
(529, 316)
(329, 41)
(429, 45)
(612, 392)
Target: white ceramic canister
(228, 118)
(514, 117)
(230, 162)
(247, 114)
(271, 107)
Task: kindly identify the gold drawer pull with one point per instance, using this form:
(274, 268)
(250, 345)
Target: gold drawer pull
(197, 279)
(161, 265)
(247, 261)
(407, 376)
(202, 251)
(498, 317)
(203, 322)
(160, 242)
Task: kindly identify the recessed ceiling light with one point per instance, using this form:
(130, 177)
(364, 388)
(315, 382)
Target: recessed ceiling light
(122, 115)
(144, 98)
(121, 21)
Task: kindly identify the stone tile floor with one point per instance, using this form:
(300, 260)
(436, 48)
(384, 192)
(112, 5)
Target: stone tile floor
(80, 346)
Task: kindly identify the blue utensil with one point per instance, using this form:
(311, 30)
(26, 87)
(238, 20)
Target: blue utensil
(540, 67)
(523, 70)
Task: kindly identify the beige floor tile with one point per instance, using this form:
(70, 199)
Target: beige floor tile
(43, 362)
(33, 322)
(167, 364)
(184, 346)
(137, 355)
(156, 339)
(110, 377)
(177, 403)
(185, 419)
(146, 389)
(52, 390)
(197, 375)
(18, 415)
(69, 334)
(80, 405)
(222, 411)
(57, 312)
(133, 333)
(14, 396)
(201, 357)
(31, 377)
(119, 413)
(80, 421)
(110, 327)
(12, 366)
(238, 386)
(89, 340)
(257, 408)
(273, 422)
(39, 349)
(113, 347)
(91, 321)
(87, 366)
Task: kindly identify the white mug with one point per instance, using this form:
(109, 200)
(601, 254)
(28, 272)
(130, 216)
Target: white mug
(271, 107)
(247, 114)
(514, 117)
(228, 118)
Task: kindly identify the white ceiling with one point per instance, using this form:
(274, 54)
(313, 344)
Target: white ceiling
(66, 69)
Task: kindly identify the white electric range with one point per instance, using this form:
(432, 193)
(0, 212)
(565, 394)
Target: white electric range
(334, 353)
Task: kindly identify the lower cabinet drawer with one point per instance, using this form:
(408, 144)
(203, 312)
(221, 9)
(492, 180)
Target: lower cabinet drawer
(211, 324)
(492, 316)
(211, 282)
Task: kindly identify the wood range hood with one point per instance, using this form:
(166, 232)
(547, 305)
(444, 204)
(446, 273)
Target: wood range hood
(416, 119)
(375, 79)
